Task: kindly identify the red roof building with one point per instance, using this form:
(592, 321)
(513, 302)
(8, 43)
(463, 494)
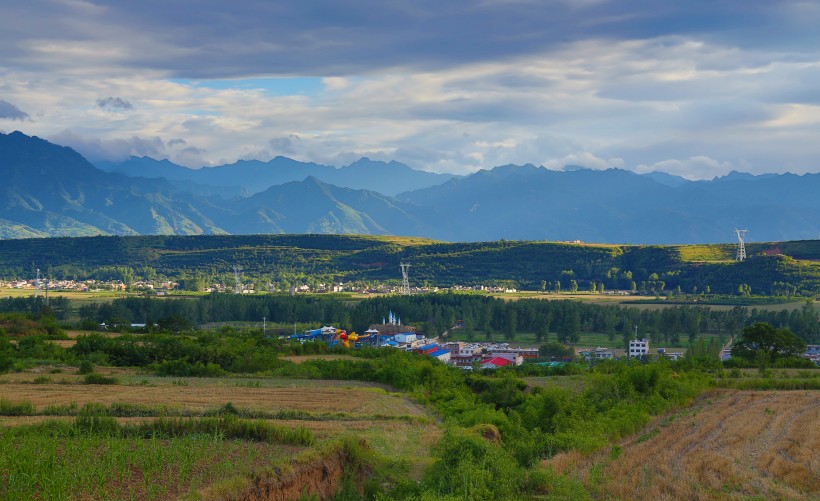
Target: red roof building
(495, 363)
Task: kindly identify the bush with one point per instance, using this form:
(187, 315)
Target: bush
(97, 378)
(469, 467)
(86, 367)
(8, 408)
(184, 368)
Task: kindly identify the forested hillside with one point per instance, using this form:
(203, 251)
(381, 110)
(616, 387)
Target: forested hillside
(782, 268)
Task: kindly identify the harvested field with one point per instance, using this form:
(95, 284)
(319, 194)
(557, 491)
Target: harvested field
(318, 398)
(75, 334)
(729, 444)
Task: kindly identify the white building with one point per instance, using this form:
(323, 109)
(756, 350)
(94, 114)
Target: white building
(405, 338)
(638, 347)
(513, 357)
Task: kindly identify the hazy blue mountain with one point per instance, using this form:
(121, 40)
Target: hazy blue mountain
(255, 176)
(50, 190)
(667, 179)
(527, 202)
(147, 167)
(311, 206)
(618, 206)
(388, 178)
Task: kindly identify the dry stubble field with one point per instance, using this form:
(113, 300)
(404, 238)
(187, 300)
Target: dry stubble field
(728, 444)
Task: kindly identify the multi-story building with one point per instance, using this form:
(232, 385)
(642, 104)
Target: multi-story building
(638, 348)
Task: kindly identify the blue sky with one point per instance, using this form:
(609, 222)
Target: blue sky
(694, 88)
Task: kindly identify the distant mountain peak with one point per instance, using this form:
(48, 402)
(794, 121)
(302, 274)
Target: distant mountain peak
(574, 168)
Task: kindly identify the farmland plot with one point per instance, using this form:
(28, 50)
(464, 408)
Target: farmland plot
(729, 445)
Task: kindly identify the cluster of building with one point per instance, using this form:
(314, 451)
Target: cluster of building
(813, 353)
(63, 285)
(469, 355)
(638, 348)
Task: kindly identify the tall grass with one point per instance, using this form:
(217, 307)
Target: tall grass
(9, 408)
(55, 462)
(228, 426)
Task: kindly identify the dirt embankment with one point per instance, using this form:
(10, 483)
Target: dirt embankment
(320, 477)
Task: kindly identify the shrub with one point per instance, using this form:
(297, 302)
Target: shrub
(86, 367)
(469, 467)
(181, 367)
(9, 408)
(97, 378)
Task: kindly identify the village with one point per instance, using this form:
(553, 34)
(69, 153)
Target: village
(471, 355)
(160, 287)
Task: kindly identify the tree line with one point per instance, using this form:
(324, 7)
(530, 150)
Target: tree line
(480, 316)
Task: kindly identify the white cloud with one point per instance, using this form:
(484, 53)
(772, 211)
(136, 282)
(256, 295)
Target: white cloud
(584, 159)
(596, 103)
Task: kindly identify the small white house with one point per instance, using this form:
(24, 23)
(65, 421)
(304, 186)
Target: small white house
(638, 347)
(405, 338)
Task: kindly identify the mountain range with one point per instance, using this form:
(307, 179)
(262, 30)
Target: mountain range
(50, 190)
(254, 176)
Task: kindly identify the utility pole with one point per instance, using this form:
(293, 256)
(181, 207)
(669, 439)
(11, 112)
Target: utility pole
(264, 326)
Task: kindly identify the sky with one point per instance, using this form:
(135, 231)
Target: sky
(693, 88)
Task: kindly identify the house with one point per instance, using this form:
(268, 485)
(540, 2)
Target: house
(601, 354)
(638, 348)
(671, 355)
(512, 356)
(428, 348)
(404, 338)
(506, 350)
(495, 363)
(441, 354)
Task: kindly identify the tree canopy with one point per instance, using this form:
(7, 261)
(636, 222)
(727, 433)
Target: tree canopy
(763, 337)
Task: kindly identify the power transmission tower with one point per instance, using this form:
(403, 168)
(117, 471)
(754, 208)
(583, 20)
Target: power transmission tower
(741, 244)
(237, 287)
(405, 281)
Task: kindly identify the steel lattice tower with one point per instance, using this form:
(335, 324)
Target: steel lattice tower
(237, 280)
(405, 281)
(741, 244)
